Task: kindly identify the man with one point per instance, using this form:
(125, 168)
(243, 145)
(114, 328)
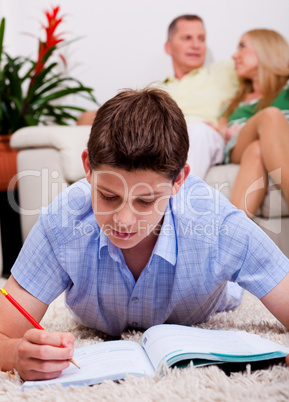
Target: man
(199, 91)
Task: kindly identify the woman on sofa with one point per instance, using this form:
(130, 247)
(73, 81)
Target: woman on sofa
(255, 123)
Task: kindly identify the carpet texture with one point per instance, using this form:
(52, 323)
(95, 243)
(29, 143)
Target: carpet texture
(190, 384)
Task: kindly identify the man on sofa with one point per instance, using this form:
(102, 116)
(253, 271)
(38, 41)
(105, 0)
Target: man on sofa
(200, 91)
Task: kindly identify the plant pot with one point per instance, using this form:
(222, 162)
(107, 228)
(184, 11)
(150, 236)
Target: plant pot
(8, 162)
(9, 218)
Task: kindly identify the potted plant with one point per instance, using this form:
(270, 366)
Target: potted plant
(30, 90)
(31, 93)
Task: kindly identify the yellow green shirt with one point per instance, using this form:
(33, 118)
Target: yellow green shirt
(201, 94)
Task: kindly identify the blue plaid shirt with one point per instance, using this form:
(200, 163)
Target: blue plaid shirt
(205, 245)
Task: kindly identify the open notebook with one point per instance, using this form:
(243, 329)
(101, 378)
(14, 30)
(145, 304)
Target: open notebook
(163, 345)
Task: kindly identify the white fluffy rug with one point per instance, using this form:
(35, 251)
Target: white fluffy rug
(190, 384)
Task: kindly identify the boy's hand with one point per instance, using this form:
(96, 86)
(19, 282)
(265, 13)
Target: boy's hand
(43, 355)
(287, 360)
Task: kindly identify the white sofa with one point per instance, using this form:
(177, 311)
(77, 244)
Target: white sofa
(49, 160)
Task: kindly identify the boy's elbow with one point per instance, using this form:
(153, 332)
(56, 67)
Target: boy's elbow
(277, 301)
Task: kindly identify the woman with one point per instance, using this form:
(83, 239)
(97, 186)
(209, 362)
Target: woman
(255, 123)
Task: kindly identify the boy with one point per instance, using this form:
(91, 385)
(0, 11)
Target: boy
(137, 243)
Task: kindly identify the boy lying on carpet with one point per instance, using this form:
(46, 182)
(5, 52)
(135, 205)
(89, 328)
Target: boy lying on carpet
(137, 243)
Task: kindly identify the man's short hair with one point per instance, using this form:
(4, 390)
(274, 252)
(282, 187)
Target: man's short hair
(188, 17)
(140, 130)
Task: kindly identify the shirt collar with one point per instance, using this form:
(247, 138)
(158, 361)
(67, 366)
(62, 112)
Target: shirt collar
(166, 245)
(190, 74)
(112, 250)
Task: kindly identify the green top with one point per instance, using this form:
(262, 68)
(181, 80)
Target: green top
(245, 110)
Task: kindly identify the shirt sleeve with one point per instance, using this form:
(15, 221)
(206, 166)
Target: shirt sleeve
(228, 77)
(38, 268)
(246, 255)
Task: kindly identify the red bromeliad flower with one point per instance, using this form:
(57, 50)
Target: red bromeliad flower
(51, 39)
(44, 101)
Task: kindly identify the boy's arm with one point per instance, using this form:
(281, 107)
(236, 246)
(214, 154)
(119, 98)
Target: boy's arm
(34, 353)
(277, 301)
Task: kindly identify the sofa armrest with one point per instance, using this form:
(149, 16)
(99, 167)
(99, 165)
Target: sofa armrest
(222, 178)
(69, 141)
(49, 159)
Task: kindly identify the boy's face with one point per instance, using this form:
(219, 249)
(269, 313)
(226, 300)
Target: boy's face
(129, 206)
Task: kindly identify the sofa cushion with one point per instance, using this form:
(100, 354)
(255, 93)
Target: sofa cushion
(70, 141)
(222, 177)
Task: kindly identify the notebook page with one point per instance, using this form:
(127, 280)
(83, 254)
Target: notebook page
(162, 342)
(104, 360)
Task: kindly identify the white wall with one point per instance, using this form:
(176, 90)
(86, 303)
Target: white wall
(122, 41)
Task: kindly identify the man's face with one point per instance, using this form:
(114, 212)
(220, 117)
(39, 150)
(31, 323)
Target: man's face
(187, 46)
(129, 206)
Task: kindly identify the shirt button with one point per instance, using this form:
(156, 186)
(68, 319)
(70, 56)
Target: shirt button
(135, 299)
(134, 324)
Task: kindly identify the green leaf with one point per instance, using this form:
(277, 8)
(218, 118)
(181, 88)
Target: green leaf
(28, 99)
(37, 81)
(57, 82)
(61, 93)
(2, 30)
(79, 109)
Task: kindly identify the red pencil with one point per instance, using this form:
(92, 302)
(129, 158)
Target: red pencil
(26, 314)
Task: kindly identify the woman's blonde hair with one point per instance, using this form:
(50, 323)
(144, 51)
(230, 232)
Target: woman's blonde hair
(273, 68)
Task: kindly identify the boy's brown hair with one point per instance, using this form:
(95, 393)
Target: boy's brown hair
(140, 130)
